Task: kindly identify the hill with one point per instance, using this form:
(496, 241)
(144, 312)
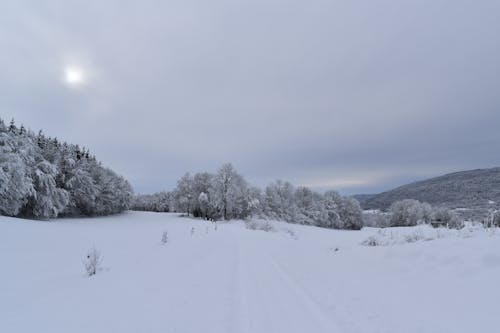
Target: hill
(473, 190)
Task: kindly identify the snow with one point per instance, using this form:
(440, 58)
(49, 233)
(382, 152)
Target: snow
(234, 279)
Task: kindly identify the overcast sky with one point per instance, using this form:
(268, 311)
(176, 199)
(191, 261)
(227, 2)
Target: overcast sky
(358, 96)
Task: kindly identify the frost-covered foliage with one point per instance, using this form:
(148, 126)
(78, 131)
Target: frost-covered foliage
(409, 212)
(301, 205)
(92, 261)
(256, 224)
(495, 220)
(447, 218)
(227, 195)
(376, 218)
(164, 237)
(223, 195)
(43, 178)
(158, 202)
(385, 237)
(398, 236)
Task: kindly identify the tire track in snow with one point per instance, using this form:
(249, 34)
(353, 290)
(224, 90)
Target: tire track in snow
(309, 302)
(268, 299)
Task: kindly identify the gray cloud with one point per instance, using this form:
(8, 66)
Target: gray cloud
(358, 96)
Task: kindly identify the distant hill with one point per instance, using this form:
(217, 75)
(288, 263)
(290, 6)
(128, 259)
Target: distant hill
(363, 197)
(477, 190)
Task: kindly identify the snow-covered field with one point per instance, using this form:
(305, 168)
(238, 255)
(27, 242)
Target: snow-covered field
(233, 279)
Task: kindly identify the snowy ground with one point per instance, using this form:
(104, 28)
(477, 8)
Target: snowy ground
(292, 279)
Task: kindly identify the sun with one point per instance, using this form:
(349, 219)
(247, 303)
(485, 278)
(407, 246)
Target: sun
(73, 75)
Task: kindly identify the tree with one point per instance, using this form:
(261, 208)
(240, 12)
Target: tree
(279, 201)
(42, 178)
(16, 184)
(229, 193)
(47, 200)
(184, 194)
(343, 212)
(409, 212)
(200, 191)
(350, 214)
(447, 218)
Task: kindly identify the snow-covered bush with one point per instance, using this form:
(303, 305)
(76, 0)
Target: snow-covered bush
(405, 235)
(415, 236)
(493, 220)
(446, 217)
(164, 237)
(303, 206)
(157, 202)
(371, 241)
(291, 233)
(376, 219)
(391, 236)
(409, 212)
(263, 225)
(92, 261)
(350, 214)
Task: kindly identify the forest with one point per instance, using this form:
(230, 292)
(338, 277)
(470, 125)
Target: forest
(42, 178)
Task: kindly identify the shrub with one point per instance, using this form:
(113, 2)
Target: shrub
(409, 212)
(376, 219)
(92, 261)
(259, 225)
(371, 241)
(164, 238)
(445, 217)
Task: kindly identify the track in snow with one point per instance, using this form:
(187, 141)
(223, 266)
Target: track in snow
(268, 299)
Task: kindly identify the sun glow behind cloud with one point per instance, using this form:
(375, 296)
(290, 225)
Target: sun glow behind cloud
(74, 76)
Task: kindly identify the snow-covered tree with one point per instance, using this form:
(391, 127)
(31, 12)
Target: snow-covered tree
(409, 212)
(350, 214)
(40, 177)
(47, 200)
(157, 202)
(16, 184)
(229, 193)
(279, 201)
(184, 199)
(446, 217)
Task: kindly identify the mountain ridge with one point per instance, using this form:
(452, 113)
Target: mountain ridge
(474, 190)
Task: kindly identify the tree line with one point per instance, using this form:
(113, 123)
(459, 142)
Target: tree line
(226, 194)
(42, 178)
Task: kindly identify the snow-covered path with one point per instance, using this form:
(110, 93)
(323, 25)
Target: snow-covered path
(267, 297)
(295, 279)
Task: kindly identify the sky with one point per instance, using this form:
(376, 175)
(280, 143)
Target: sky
(354, 95)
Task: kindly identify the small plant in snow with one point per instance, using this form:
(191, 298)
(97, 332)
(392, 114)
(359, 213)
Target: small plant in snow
(92, 261)
(414, 236)
(164, 238)
(291, 233)
(259, 225)
(371, 241)
(252, 225)
(192, 231)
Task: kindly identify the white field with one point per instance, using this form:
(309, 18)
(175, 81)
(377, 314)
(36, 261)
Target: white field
(238, 280)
